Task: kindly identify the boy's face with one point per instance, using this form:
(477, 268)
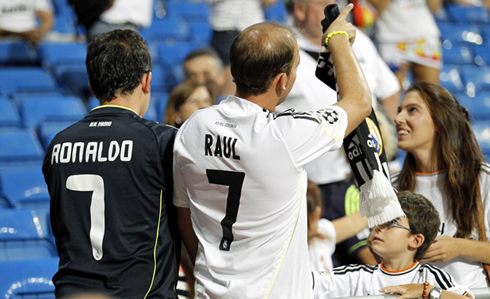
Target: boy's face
(392, 239)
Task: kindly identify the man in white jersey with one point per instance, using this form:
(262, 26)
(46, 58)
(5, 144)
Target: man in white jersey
(340, 196)
(240, 178)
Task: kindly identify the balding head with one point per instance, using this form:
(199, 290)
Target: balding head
(260, 53)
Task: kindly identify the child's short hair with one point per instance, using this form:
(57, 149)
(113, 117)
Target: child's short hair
(422, 217)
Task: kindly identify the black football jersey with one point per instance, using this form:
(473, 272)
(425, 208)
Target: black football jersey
(110, 181)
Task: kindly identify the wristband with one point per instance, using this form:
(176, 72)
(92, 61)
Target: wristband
(424, 292)
(335, 33)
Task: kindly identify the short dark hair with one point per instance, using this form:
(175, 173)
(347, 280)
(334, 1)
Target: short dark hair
(258, 54)
(116, 62)
(204, 52)
(422, 216)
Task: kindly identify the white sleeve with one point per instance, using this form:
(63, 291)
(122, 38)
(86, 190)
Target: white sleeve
(44, 5)
(326, 228)
(330, 285)
(181, 198)
(310, 134)
(438, 277)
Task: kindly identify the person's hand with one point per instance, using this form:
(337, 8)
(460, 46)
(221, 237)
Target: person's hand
(406, 291)
(443, 249)
(340, 24)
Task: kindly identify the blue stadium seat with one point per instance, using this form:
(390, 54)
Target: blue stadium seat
(161, 101)
(28, 279)
(49, 129)
(158, 79)
(485, 31)
(482, 133)
(35, 110)
(153, 109)
(24, 187)
(151, 113)
(482, 54)
(475, 79)
(442, 16)
(74, 78)
(22, 237)
(460, 33)
(479, 106)
(18, 145)
(457, 54)
(54, 54)
(171, 54)
(201, 33)
(25, 79)
(450, 78)
(190, 11)
(276, 13)
(9, 115)
(467, 14)
(4, 204)
(17, 53)
(166, 29)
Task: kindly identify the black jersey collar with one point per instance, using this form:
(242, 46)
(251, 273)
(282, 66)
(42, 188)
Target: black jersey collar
(103, 108)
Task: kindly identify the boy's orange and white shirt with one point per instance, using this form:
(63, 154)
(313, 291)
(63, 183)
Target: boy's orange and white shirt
(363, 280)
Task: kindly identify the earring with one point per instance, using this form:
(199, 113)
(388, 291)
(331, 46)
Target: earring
(178, 121)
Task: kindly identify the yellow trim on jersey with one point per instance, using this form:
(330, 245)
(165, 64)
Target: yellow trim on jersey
(357, 245)
(351, 200)
(283, 255)
(113, 106)
(155, 247)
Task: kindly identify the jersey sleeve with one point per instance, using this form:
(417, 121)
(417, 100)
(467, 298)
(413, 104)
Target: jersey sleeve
(336, 284)
(309, 134)
(181, 198)
(438, 277)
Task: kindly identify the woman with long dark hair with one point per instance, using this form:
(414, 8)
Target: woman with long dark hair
(445, 163)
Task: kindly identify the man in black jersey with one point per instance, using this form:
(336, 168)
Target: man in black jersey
(110, 181)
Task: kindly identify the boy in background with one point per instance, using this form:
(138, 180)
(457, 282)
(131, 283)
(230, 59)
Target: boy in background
(399, 244)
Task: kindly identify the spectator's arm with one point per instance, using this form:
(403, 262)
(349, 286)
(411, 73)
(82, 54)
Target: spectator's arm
(348, 226)
(46, 21)
(390, 105)
(354, 91)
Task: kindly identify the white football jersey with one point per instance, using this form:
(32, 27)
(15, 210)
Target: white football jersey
(240, 170)
(363, 280)
(431, 185)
